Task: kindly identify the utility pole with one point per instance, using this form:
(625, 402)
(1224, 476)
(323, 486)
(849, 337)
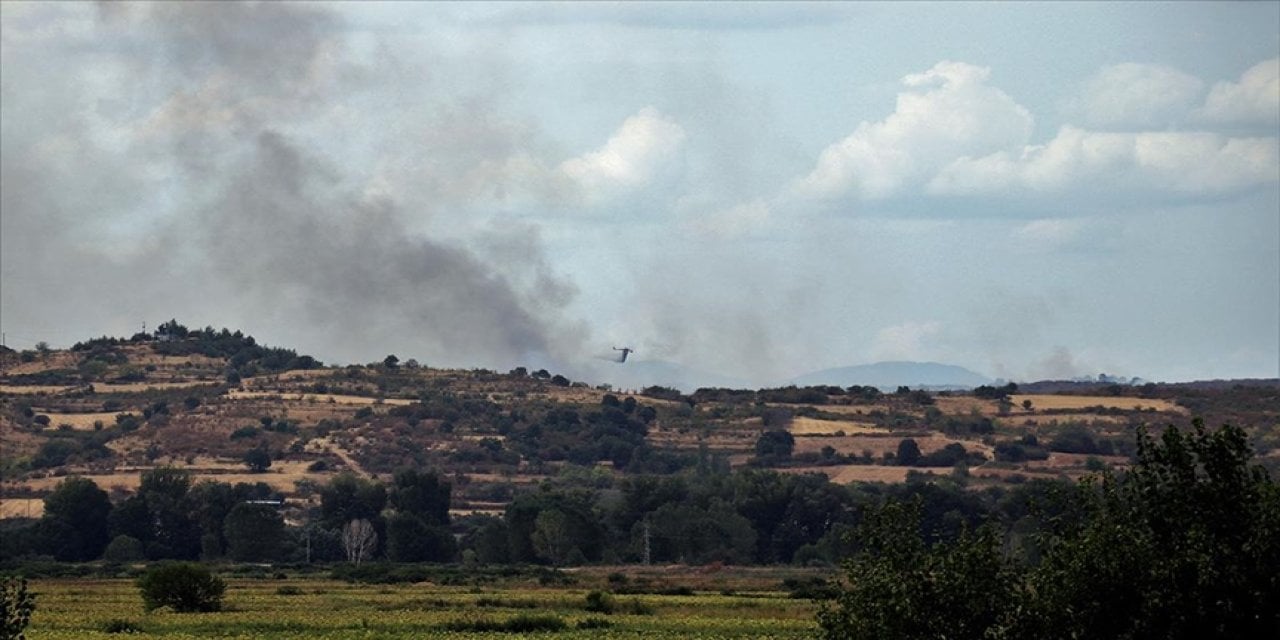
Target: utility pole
(646, 541)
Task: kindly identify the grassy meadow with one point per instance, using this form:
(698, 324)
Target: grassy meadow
(322, 608)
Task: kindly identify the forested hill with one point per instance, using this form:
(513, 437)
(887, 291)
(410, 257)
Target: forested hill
(185, 425)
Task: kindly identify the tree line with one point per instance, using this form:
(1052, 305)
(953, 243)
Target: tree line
(584, 515)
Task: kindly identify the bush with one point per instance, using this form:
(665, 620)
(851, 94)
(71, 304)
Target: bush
(184, 587)
(120, 625)
(16, 605)
(523, 623)
(123, 549)
(249, 431)
(593, 623)
(599, 602)
(288, 590)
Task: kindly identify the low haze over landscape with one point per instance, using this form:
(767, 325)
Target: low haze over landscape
(749, 192)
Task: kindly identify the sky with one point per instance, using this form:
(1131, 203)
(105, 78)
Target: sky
(759, 190)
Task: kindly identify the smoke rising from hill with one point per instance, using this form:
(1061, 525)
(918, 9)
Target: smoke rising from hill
(221, 192)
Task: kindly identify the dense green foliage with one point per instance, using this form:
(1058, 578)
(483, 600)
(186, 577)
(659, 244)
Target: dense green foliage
(16, 605)
(1184, 545)
(184, 587)
(74, 526)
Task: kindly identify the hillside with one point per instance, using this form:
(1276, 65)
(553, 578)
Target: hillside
(109, 409)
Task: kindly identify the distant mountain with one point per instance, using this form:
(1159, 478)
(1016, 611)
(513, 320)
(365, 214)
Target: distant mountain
(891, 375)
(648, 373)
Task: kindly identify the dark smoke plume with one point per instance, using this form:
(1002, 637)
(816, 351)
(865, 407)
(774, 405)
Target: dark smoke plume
(226, 196)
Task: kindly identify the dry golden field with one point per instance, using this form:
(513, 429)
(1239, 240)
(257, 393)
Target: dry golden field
(79, 421)
(801, 426)
(320, 398)
(1059, 402)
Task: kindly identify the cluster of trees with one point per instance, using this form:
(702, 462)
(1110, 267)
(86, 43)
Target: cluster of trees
(744, 517)
(1186, 544)
(909, 455)
(246, 357)
(614, 433)
(583, 516)
(169, 517)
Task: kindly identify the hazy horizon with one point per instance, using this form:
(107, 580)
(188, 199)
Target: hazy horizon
(755, 190)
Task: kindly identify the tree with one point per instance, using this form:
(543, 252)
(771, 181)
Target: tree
(185, 587)
(16, 605)
(175, 532)
(75, 523)
(124, 549)
(552, 537)
(359, 540)
(348, 498)
(489, 540)
(391, 362)
(257, 459)
(775, 445)
(421, 494)
(410, 539)
(908, 452)
(900, 588)
(253, 532)
(1184, 545)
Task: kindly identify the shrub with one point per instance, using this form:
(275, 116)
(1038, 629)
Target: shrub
(288, 590)
(593, 623)
(599, 602)
(184, 587)
(120, 625)
(523, 623)
(636, 607)
(16, 605)
(249, 431)
(123, 549)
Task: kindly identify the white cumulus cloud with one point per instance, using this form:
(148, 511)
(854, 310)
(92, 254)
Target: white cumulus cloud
(946, 112)
(1255, 99)
(1139, 94)
(1179, 162)
(633, 155)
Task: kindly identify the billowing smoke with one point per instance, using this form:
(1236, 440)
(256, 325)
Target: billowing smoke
(239, 164)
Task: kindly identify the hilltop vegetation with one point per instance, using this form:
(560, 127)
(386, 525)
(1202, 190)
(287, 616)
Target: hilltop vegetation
(538, 468)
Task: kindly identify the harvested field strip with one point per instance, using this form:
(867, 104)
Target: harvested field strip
(28, 390)
(138, 387)
(878, 445)
(845, 409)
(1055, 402)
(79, 421)
(21, 508)
(281, 476)
(317, 398)
(802, 426)
(844, 474)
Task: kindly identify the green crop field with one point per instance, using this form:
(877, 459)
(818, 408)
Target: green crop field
(315, 608)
